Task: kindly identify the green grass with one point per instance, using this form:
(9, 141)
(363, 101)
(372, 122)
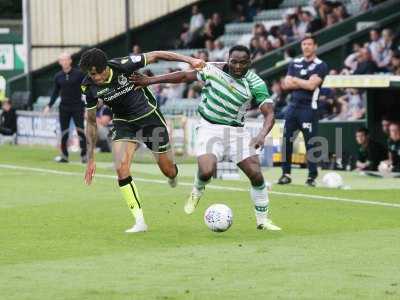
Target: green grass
(62, 240)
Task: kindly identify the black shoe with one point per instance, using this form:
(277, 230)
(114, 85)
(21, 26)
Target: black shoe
(84, 159)
(285, 179)
(61, 159)
(311, 182)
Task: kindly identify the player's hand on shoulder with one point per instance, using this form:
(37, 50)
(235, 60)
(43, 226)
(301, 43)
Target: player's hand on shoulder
(90, 171)
(197, 63)
(139, 80)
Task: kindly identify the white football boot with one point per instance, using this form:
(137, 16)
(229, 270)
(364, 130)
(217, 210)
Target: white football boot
(263, 223)
(138, 227)
(192, 201)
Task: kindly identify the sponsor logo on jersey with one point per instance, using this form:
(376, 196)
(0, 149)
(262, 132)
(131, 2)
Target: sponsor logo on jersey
(135, 58)
(102, 92)
(122, 80)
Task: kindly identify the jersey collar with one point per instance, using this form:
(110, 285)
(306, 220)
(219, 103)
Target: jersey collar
(110, 77)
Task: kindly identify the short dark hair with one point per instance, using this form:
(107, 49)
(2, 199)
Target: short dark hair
(309, 37)
(240, 48)
(363, 130)
(93, 58)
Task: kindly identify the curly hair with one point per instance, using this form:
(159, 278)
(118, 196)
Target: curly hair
(93, 58)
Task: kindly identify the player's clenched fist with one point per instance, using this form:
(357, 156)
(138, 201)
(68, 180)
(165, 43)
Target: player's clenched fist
(197, 64)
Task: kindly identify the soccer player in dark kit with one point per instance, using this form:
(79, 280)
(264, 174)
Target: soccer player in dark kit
(136, 118)
(304, 77)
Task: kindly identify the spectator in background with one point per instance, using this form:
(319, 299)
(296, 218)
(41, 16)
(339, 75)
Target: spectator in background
(303, 26)
(394, 147)
(197, 20)
(255, 48)
(340, 11)
(385, 123)
(219, 53)
(374, 45)
(385, 53)
(351, 60)
(370, 153)
(394, 67)
(259, 30)
(365, 64)
(331, 19)
(266, 45)
(352, 106)
(287, 29)
(8, 119)
(202, 54)
(136, 50)
(239, 14)
(217, 27)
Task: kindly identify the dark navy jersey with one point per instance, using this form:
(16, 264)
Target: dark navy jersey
(118, 93)
(68, 87)
(303, 69)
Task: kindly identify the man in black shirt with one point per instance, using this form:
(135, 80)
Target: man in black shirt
(8, 119)
(136, 118)
(370, 153)
(67, 84)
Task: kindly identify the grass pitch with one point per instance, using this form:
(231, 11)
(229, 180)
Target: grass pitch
(62, 240)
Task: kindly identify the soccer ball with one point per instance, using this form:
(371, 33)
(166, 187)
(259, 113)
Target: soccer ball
(332, 180)
(218, 217)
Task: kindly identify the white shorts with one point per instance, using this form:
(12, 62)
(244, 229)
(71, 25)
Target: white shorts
(225, 142)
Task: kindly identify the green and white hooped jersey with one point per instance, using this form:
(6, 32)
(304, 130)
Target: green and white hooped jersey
(224, 99)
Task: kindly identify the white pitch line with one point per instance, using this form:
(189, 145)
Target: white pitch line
(210, 186)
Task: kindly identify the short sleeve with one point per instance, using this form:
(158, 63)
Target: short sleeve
(290, 71)
(130, 64)
(88, 97)
(259, 90)
(322, 70)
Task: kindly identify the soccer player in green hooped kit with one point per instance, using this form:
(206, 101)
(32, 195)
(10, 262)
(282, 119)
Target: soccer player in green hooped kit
(225, 97)
(136, 118)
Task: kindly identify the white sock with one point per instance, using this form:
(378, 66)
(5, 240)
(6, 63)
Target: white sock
(260, 199)
(139, 218)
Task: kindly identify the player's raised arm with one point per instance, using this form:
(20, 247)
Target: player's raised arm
(154, 56)
(175, 77)
(91, 137)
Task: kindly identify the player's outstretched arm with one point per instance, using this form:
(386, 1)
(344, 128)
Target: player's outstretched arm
(175, 77)
(267, 109)
(154, 56)
(91, 137)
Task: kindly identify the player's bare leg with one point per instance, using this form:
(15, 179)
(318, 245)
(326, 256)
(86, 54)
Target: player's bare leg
(207, 165)
(258, 192)
(123, 153)
(167, 165)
